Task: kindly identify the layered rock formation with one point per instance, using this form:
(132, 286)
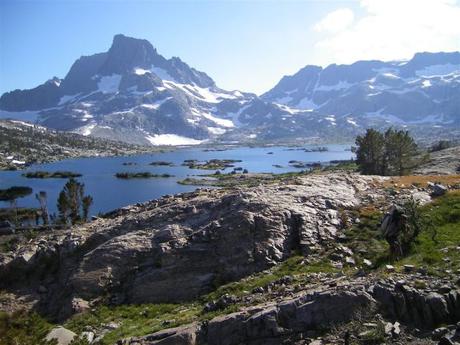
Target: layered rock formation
(296, 320)
(178, 248)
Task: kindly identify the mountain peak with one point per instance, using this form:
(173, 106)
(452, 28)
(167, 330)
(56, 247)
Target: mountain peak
(127, 53)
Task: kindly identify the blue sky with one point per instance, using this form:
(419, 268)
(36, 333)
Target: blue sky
(245, 45)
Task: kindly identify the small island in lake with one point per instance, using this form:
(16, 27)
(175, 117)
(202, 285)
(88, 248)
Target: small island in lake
(162, 163)
(212, 164)
(47, 174)
(127, 175)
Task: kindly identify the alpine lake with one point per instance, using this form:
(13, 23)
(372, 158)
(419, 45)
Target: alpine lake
(165, 169)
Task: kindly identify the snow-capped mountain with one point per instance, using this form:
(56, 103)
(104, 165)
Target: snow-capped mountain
(423, 90)
(134, 94)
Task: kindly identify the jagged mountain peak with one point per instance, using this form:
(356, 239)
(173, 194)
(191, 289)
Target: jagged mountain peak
(127, 53)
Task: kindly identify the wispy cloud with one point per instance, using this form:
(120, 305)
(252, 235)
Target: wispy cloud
(390, 29)
(336, 21)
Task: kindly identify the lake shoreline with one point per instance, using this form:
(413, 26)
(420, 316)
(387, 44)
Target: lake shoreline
(99, 173)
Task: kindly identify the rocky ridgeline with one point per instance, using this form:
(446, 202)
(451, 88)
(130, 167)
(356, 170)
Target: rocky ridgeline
(179, 247)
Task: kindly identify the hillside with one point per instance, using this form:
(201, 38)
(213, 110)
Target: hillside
(22, 144)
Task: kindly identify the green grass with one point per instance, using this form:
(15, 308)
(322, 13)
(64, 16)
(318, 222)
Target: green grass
(135, 320)
(138, 320)
(365, 239)
(431, 247)
(293, 266)
(444, 213)
(23, 328)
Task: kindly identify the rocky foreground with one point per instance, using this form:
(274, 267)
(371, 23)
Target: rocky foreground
(180, 248)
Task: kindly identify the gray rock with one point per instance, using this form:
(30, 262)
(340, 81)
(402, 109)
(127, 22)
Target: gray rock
(445, 341)
(438, 190)
(267, 324)
(62, 335)
(184, 335)
(136, 257)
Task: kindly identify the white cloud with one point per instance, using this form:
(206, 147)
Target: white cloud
(336, 21)
(393, 29)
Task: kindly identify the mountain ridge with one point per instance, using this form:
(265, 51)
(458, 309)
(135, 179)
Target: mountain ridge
(368, 87)
(132, 93)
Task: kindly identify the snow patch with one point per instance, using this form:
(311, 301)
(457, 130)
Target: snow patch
(171, 140)
(390, 76)
(216, 130)
(288, 109)
(27, 124)
(14, 161)
(109, 84)
(219, 121)
(331, 119)
(141, 71)
(204, 94)
(352, 122)
(426, 83)
(86, 130)
(156, 105)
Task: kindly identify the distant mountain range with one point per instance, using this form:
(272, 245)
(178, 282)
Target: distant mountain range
(425, 89)
(133, 94)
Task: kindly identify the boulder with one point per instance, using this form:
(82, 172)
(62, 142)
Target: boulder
(184, 335)
(438, 190)
(62, 335)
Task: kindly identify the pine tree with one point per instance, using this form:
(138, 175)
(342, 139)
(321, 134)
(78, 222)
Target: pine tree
(370, 152)
(73, 205)
(391, 153)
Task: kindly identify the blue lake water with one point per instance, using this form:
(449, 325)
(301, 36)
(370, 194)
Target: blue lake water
(110, 193)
